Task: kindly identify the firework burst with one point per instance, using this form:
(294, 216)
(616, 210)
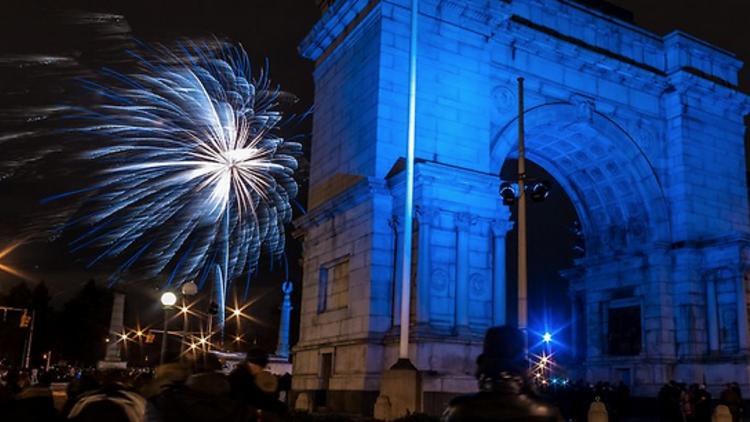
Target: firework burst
(195, 180)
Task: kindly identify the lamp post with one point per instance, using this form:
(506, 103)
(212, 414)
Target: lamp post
(187, 289)
(522, 274)
(168, 300)
(237, 313)
(539, 190)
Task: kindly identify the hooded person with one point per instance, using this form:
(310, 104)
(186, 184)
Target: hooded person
(504, 391)
(250, 382)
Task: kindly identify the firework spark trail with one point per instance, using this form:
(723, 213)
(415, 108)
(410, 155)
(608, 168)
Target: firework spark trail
(193, 168)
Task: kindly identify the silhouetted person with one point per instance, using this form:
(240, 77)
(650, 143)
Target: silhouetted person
(114, 402)
(702, 404)
(669, 402)
(205, 396)
(251, 383)
(732, 400)
(504, 391)
(622, 398)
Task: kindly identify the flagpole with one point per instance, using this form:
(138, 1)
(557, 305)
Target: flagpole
(403, 350)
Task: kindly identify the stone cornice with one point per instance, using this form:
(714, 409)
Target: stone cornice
(676, 52)
(523, 35)
(687, 82)
(470, 14)
(683, 50)
(344, 16)
(432, 173)
(340, 17)
(355, 195)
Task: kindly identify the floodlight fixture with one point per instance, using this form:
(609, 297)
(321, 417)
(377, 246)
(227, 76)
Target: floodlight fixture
(540, 190)
(508, 193)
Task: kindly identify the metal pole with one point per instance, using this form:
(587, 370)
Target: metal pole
(183, 346)
(403, 347)
(224, 281)
(210, 318)
(522, 274)
(31, 337)
(162, 355)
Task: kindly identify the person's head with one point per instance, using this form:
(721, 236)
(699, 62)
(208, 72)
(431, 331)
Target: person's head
(205, 362)
(503, 351)
(256, 359)
(173, 372)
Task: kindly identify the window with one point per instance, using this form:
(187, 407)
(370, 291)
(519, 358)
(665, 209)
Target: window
(333, 287)
(624, 335)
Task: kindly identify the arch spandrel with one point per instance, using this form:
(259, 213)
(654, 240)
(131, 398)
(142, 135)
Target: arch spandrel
(609, 180)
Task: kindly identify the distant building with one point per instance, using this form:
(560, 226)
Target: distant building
(645, 134)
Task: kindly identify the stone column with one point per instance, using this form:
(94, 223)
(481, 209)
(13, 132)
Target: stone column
(742, 315)
(463, 222)
(499, 301)
(112, 356)
(115, 326)
(713, 318)
(425, 217)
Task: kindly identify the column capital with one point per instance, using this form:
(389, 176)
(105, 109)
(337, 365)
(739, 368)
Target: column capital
(500, 227)
(464, 220)
(426, 214)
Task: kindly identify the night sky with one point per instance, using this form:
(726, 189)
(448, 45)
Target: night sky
(86, 33)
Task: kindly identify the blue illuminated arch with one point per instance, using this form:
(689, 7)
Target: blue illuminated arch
(608, 178)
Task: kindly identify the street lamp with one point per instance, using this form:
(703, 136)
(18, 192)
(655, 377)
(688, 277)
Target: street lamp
(168, 299)
(187, 289)
(515, 193)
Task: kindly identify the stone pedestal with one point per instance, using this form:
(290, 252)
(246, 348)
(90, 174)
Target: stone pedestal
(400, 392)
(112, 358)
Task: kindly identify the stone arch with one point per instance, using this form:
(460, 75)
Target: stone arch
(609, 180)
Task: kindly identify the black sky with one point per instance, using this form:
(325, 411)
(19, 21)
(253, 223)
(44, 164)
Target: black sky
(268, 29)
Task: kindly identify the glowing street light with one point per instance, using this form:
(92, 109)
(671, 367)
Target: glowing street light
(547, 337)
(168, 299)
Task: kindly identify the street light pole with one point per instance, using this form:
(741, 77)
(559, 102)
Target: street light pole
(522, 271)
(31, 337)
(183, 345)
(168, 299)
(164, 339)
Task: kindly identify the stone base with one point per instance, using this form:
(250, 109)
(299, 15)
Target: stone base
(104, 365)
(400, 391)
(352, 402)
